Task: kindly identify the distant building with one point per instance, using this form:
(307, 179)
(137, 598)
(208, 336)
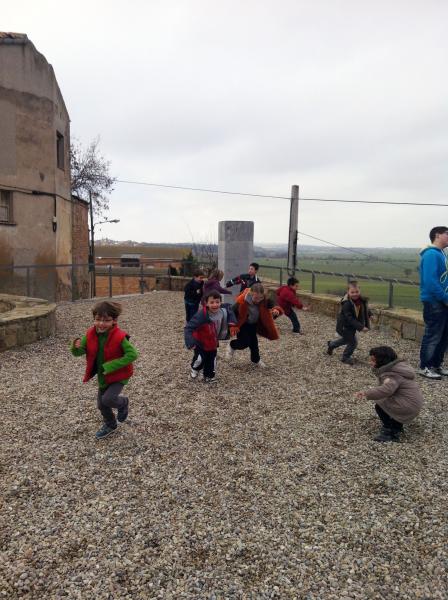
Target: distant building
(40, 222)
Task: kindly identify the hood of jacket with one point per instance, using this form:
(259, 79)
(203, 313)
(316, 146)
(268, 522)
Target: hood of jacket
(399, 367)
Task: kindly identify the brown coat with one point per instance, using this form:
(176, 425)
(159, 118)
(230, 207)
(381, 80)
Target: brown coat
(265, 324)
(398, 395)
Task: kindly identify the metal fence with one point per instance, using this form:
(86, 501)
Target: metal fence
(380, 289)
(74, 281)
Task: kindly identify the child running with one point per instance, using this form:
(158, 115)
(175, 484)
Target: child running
(255, 314)
(211, 323)
(287, 299)
(246, 280)
(398, 397)
(193, 294)
(110, 356)
(213, 284)
(354, 316)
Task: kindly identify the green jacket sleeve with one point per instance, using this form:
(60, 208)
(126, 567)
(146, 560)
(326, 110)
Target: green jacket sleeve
(79, 351)
(130, 354)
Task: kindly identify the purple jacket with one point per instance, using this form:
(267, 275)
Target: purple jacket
(212, 285)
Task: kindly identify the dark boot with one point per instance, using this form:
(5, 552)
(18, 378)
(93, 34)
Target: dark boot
(348, 361)
(387, 435)
(329, 348)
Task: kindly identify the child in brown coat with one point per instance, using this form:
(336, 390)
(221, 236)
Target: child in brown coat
(398, 399)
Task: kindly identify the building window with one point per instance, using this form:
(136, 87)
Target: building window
(6, 206)
(60, 150)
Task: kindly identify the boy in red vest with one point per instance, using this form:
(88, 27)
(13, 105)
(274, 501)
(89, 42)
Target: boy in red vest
(110, 356)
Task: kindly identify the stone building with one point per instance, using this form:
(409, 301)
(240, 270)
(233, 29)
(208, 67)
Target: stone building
(40, 222)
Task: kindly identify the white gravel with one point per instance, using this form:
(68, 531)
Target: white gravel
(266, 485)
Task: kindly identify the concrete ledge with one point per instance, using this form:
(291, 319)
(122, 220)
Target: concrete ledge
(25, 320)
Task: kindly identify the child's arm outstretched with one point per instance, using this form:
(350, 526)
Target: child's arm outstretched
(386, 389)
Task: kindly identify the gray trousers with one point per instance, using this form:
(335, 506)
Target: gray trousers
(348, 339)
(107, 400)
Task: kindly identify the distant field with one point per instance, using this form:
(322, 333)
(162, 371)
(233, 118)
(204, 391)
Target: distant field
(406, 296)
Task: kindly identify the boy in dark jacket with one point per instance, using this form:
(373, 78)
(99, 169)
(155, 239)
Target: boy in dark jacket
(246, 280)
(193, 294)
(204, 330)
(110, 356)
(287, 299)
(354, 316)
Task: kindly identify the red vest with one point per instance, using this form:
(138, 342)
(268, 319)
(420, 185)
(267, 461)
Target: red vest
(206, 335)
(112, 350)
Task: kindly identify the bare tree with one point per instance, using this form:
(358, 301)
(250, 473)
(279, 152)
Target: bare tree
(90, 175)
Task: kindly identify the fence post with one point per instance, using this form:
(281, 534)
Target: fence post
(72, 279)
(110, 280)
(142, 283)
(281, 275)
(391, 294)
(313, 282)
(28, 282)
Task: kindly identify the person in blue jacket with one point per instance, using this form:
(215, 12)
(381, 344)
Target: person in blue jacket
(434, 295)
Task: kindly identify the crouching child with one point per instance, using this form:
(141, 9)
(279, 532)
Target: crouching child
(398, 399)
(109, 356)
(213, 322)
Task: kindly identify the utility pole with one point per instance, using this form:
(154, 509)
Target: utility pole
(92, 250)
(293, 230)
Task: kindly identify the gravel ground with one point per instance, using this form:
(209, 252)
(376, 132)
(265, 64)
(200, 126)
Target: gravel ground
(265, 485)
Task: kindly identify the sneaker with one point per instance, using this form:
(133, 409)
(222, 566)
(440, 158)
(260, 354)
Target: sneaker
(193, 373)
(329, 348)
(298, 332)
(348, 361)
(122, 413)
(429, 373)
(229, 352)
(387, 435)
(441, 371)
(104, 432)
(210, 380)
(260, 364)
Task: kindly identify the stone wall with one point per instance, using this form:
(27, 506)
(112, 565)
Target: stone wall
(26, 321)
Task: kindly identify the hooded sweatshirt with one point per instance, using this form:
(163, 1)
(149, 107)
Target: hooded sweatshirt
(398, 393)
(433, 275)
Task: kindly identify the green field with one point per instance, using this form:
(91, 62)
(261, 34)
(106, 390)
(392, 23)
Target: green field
(406, 296)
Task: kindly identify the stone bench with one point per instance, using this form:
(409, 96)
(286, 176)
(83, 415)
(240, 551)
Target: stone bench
(24, 320)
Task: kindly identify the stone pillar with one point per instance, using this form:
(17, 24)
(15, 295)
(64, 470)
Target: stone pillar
(235, 249)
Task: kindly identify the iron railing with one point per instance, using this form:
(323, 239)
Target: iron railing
(80, 276)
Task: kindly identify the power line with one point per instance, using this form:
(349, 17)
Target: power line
(212, 191)
(369, 256)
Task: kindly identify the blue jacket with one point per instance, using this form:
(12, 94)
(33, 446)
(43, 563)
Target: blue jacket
(433, 275)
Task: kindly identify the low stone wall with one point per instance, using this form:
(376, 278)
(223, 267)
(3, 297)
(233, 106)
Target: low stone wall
(26, 320)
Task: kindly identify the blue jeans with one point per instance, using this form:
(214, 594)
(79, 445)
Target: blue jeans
(435, 339)
(294, 320)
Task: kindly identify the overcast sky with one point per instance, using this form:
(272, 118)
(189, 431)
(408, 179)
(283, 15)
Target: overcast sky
(346, 99)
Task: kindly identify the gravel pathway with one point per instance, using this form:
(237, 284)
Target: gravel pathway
(265, 485)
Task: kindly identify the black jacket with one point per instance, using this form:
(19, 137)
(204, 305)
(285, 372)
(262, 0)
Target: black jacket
(245, 280)
(193, 292)
(347, 319)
